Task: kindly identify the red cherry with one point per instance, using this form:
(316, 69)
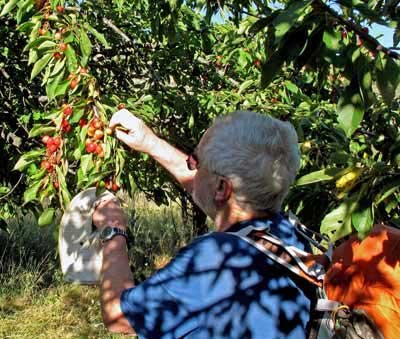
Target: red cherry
(114, 187)
(91, 148)
(56, 185)
(67, 129)
(57, 141)
(257, 63)
(45, 164)
(68, 110)
(99, 149)
(82, 122)
(52, 148)
(107, 184)
(57, 55)
(60, 9)
(74, 83)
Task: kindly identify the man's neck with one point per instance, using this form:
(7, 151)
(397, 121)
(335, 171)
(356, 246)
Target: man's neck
(228, 217)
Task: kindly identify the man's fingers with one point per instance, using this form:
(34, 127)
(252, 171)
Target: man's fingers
(123, 136)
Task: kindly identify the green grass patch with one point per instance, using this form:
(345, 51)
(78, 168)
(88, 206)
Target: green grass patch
(35, 302)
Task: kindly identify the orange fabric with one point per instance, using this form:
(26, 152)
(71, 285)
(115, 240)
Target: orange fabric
(366, 275)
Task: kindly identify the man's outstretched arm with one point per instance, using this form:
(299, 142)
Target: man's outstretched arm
(141, 138)
(116, 274)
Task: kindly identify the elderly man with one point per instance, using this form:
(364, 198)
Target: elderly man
(218, 286)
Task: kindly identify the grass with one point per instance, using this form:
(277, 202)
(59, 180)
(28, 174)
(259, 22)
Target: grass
(35, 302)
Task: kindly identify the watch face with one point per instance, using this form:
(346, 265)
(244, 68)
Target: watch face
(106, 233)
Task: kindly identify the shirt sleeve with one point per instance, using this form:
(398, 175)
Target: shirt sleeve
(163, 305)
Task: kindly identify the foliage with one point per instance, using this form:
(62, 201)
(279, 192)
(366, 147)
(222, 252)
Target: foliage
(177, 66)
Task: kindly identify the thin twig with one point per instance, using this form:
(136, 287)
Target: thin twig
(15, 186)
(108, 23)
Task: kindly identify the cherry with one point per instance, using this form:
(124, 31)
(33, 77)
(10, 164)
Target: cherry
(107, 184)
(83, 70)
(91, 130)
(63, 47)
(82, 122)
(42, 31)
(91, 148)
(45, 139)
(74, 83)
(109, 131)
(58, 36)
(56, 185)
(57, 55)
(257, 63)
(45, 164)
(114, 187)
(57, 141)
(121, 105)
(98, 134)
(60, 9)
(52, 148)
(68, 110)
(99, 150)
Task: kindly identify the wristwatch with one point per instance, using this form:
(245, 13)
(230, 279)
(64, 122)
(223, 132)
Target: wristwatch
(110, 232)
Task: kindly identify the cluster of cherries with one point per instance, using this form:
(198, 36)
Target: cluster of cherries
(95, 134)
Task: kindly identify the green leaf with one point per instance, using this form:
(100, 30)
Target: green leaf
(246, 84)
(33, 56)
(97, 34)
(31, 193)
(4, 190)
(331, 38)
(387, 191)
(46, 45)
(72, 61)
(40, 64)
(362, 218)
(291, 87)
(58, 67)
(65, 196)
(350, 110)
(52, 85)
(288, 17)
(40, 129)
(86, 47)
(387, 77)
(9, 7)
(26, 26)
(26, 159)
(46, 218)
(62, 88)
(36, 42)
(86, 163)
(318, 176)
(337, 223)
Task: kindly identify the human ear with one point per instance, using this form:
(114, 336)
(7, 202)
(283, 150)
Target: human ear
(223, 191)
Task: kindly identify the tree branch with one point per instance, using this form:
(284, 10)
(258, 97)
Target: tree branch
(109, 23)
(359, 30)
(15, 186)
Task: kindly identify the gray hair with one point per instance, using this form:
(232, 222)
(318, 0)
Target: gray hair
(258, 153)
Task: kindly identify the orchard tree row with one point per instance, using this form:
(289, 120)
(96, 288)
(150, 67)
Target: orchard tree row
(67, 66)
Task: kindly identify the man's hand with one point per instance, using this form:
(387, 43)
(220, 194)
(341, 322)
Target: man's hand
(138, 135)
(109, 213)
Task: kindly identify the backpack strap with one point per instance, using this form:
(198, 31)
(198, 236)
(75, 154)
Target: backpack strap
(307, 266)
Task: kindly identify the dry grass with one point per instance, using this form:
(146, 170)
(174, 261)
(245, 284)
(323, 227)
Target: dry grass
(34, 300)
